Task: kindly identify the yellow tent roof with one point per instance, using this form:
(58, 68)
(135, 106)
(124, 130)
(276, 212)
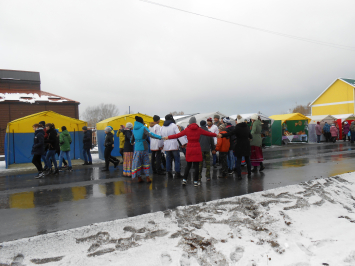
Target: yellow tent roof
(24, 124)
(294, 116)
(117, 121)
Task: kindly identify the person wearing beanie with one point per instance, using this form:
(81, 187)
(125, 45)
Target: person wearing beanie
(42, 125)
(192, 120)
(207, 145)
(172, 147)
(141, 155)
(214, 129)
(51, 143)
(216, 120)
(318, 129)
(64, 143)
(122, 140)
(109, 146)
(193, 151)
(127, 150)
(334, 133)
(242, 147)
(346, 129)
(256, 157)
(38, 149)
(87, 146)
(156, 145)
(222, 147)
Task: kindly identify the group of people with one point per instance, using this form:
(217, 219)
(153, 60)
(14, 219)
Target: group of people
(229, 145)
(48, 143)
(331, 131)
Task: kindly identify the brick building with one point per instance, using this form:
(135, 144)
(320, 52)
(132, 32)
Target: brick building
(21, 95)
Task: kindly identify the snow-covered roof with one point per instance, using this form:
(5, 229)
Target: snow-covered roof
(185, 121)
(345, 117)
(248, 116)
(321, 118)
(31, 97)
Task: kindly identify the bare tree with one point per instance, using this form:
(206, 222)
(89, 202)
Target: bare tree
(302, 109)
(177, 113)
(95, 114)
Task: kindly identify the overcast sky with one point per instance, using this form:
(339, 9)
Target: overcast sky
(159, 60)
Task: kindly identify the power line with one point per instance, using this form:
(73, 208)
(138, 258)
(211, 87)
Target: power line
(333, 45)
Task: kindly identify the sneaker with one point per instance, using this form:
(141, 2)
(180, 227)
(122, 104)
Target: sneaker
(39, 175)
(60, 170)
(230, 172)
(70, 169)
(48, 172)
(65, 166)
(184, 181)
(195, 184)
(86, 163)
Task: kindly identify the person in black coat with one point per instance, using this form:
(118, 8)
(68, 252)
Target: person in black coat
(38, 149)
(51, 143)
(242, 146)
(109, 145)
(87, 145)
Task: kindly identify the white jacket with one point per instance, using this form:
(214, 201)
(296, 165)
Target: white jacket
(155, 144)
(171, 144)
(214, 129)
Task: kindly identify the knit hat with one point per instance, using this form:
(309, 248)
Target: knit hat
(129, 125)
(209, 119)
(156, 118)
(226, 120)
(84, 128)
(222, 127)
(169, 117)
(139, 119)
(192, 120)
(108, 129)
(240, 119)
(64, 128)
(345, 123)
(216, 116)
(42, 123)
(254, 116)
(318, 122)
(203, 123)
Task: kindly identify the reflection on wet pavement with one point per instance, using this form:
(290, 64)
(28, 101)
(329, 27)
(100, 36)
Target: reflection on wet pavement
(29, 207)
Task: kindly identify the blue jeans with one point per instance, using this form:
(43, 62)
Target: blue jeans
(87, 155)
(230, 160)
(45, 160)
(169, 159)
(51, 156)
(214, 156)
(67, 154)
(318, 138)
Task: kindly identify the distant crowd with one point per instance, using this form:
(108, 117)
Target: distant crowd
(331, 131)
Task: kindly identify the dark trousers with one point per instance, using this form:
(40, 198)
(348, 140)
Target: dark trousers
(318, 138)
(334, 139)
(156, 160)
(352, 137)
(108, 157)
(36, 160)
(223, 161)
(188, 167)
(239, 161)
(327, 136)
(121, 152)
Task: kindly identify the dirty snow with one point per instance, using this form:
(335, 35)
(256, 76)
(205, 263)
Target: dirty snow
(312, 223)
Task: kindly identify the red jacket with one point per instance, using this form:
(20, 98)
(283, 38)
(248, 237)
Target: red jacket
(193, 149)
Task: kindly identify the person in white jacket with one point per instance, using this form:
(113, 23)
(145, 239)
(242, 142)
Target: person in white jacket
(214, 129)
(172, 146)
(156, 145)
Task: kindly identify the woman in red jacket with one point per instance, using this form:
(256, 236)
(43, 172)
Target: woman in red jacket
(193, 150)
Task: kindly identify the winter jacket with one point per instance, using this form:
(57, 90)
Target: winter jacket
(128, 147)
(193, 149)
(51, 141)
(140, 135)
(87, 140)
(318, 130)
(223, 143)
(232, 139)
(334, 131)
(120, 135)
(155, 144)
(57, 146)
(346, 129)
(109, 140)
(242, 132)
(326, 128)
(213, 129)
(169, 128)
(64, 141)
(38, 142)
(352, 127)
(206, 143)
(256, 133)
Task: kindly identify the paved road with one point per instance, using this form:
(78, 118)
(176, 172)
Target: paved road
(30, 207)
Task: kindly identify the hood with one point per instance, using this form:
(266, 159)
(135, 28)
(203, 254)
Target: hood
(168, 122)
(66, 133)
(39, 130)
(242, 125)
(193, 126)
(204, 128)
(138, 125)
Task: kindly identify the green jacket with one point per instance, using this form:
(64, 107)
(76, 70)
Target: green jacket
(256, 133)
(64, 141)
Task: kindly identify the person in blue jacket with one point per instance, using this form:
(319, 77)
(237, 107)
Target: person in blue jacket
(141, 156)
(326, 130)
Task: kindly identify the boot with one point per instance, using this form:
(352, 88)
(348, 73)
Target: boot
(49, 172)
(89, 163)
(85, 163)
(70, 169)
(255, 169)
(56, 172)
(261, 167)
(116, 163)
(148, 179)
(170, 175)
(178, 175)
(140, 179)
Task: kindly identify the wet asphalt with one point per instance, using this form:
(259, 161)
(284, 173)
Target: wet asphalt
(30, 207)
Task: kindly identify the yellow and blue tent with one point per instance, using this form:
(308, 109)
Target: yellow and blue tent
(19, 135)
(115, 122)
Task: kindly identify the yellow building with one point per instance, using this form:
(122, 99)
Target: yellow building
(337, 99)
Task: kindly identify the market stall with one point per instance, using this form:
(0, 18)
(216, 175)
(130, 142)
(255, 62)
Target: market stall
(185, 121)
(312, 136)
(342, 118)
(294, 128)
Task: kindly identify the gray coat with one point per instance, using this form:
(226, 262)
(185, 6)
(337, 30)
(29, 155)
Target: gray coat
(206, 143)
(256, 133)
